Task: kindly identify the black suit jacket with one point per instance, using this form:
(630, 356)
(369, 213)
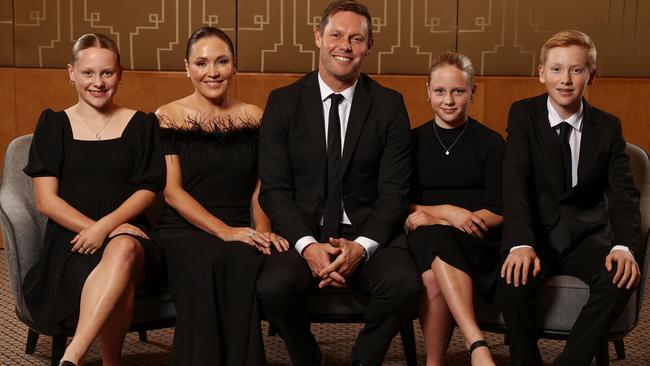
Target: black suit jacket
(600, 211)
(376, 160)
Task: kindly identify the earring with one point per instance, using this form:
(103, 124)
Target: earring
(188, 76)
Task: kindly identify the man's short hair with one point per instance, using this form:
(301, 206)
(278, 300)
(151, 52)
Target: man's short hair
(346, 5)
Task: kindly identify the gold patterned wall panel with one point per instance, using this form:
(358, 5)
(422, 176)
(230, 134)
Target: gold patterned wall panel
(151, 36)
(278, 36)
(6, 33)
(503, 37)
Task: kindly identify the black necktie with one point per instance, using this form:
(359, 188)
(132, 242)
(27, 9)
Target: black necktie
(565, 130)
(333, 210)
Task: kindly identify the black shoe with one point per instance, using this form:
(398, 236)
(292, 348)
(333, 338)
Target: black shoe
(66, 363)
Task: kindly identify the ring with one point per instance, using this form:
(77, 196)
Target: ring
(251, 234)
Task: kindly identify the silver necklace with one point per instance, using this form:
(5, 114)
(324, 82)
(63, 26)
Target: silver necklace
(448, 149)
(98, 134)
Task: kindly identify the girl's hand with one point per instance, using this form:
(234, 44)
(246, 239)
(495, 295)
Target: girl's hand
(90, 239)
(127, 228)
(465, 220)
(420, 218)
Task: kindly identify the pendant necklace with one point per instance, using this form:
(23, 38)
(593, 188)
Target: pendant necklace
(98, 134)
(448, 149)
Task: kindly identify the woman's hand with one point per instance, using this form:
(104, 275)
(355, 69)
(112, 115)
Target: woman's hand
(127, 228)
(261, 240)
(281, 244)
(465, 220)
(90, 238)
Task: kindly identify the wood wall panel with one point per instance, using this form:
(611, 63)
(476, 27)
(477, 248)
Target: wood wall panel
(26, 92)
(29, 91)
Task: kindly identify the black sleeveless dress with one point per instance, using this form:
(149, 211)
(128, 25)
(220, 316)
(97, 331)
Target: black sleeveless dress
(95, 177)
(469, 177)
(212, 281)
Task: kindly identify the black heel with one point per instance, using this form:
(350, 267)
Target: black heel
(66, 363)
(477, 344)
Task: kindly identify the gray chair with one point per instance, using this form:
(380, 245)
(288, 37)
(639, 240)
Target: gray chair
(22, 231)
(561, 298)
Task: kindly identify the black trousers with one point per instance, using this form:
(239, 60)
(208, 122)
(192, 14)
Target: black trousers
(605, 304)
(389, 277)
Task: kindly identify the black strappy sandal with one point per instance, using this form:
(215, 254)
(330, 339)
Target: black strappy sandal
(477, 344)
(66, 363)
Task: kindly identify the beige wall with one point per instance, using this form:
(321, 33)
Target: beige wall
(501, 36)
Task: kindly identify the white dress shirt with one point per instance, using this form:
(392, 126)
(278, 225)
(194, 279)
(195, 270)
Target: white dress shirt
(344, 113)
(575, 136)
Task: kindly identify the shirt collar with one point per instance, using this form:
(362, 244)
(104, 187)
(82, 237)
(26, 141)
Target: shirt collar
(575, 120)
(325, 90)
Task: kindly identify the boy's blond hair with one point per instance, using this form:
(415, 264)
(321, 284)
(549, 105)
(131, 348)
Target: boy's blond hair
(570, 37)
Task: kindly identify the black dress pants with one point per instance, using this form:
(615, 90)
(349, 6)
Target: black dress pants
(605, 304)
(389, 277)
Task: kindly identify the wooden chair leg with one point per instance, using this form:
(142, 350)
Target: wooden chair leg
(142, 334)
(58, 348)
(32, 339)
(602, 354)
(408, 344)
(619, 346)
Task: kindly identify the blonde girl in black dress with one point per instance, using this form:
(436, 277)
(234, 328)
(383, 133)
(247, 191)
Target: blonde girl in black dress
(456, 209)
(96, 167)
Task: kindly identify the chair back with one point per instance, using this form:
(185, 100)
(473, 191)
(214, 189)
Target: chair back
(640, 166)
(22, 226)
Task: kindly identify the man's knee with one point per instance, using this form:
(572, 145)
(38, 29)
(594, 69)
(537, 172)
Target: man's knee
(277, 285)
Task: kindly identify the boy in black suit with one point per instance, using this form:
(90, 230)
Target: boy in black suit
(570, 204)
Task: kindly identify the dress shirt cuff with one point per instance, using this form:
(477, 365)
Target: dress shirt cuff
(368, 244)
(519, 246)
(621, 247)
(302, 243)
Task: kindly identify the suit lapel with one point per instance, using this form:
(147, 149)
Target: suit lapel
(359, 110)
(313, 110)
(588, 141)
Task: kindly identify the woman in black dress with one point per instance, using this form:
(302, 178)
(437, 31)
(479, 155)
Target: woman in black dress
(456, 209)
(96, 167)
(212, 252)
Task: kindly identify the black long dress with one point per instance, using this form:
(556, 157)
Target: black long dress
(95, 177)
(469, 177)
(211, 281)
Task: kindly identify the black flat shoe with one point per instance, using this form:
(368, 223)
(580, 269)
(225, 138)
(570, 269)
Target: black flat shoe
(66, 363)
(477, 344)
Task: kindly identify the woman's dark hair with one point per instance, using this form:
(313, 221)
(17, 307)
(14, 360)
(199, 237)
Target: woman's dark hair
(91, 40)
(204, 32)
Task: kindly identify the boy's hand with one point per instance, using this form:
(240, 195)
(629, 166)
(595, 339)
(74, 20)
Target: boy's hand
(627, 270)
(517, 266)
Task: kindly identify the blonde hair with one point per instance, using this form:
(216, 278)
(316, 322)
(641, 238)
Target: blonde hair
(462, 62)
(570, 37)
(91, 40)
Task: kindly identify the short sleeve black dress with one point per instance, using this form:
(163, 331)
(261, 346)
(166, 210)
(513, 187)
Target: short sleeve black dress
(212, 281)
(95, 177)
(469, 177)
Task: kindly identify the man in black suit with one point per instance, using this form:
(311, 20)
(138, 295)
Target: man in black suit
(570, 204)
(335, 170)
